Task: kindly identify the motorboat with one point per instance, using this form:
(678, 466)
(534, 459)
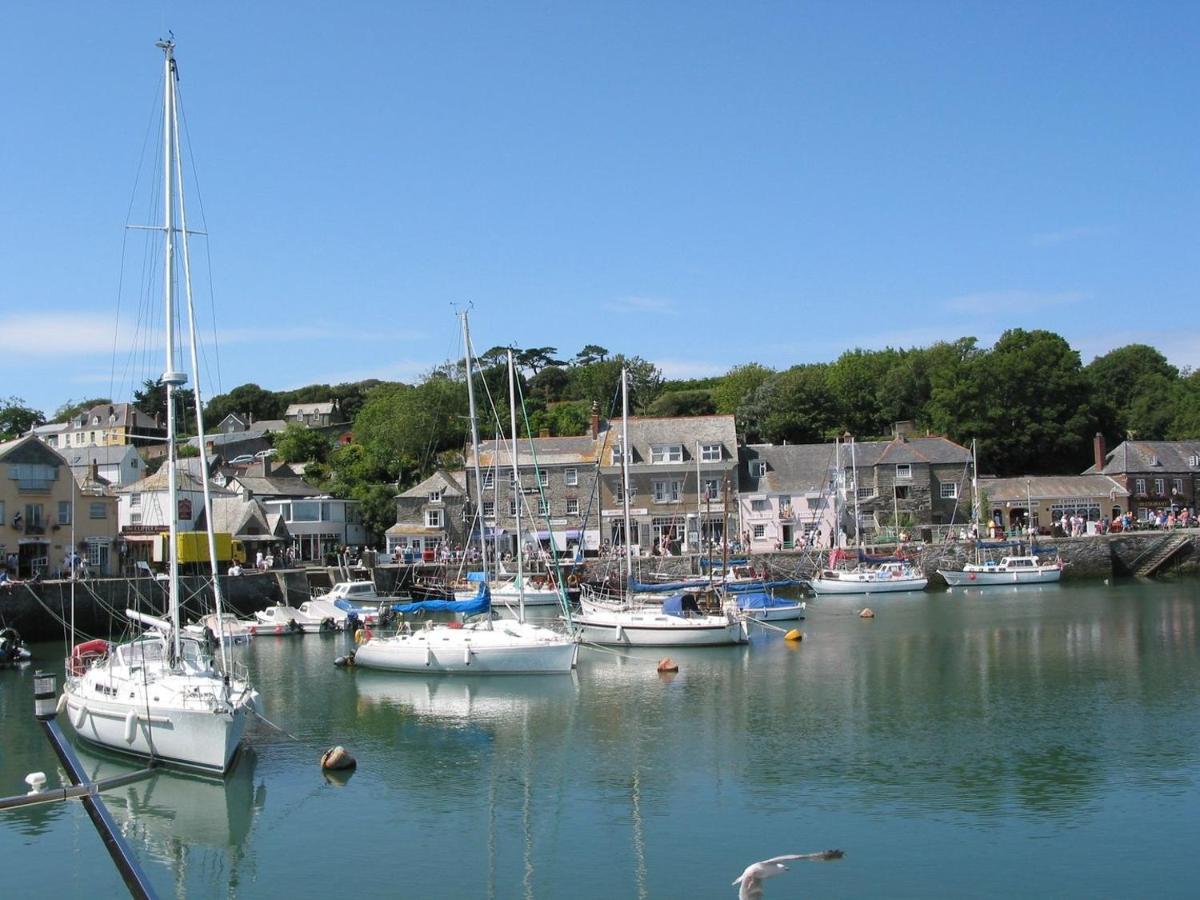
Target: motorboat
(1008, 570)
(13, 651)
(281, 619)
(767, 606)
(884, 578)
(226, 627)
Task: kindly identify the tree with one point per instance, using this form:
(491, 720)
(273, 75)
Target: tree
(683, 403)
(592, 353)
(795, 406)
(538, 358)
(737, 384)
(243, 400)
(571, 417)
(17, 419)
(1130, 386)
(151, 398)
(601, 382)
(403, 428)
(72, 408)
(550, 384)
(857, 379)
(1027, 401)
(299, 444)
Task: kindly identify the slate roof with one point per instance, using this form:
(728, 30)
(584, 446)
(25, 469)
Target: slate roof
(439, 480)
(221, 439)
(103, 455)
(300, 409)
(269, 486)
(791, 468)
(1149, 458)
(158, 482)
(244, 519)
(646, 431)
(910, 450)
(550, 451)
(1051, 487)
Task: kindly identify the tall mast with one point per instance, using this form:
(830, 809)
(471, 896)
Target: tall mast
(206, 488)
(474, 441)
(975, 483)
(172, 378)
(854, 468)
(625, 476)
(699, 493)
(512, 413)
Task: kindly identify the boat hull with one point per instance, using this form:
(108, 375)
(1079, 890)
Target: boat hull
(890, 586)
(1046, 575)
(656, 629)
(196, 740)
(506, 649)
(784, 613)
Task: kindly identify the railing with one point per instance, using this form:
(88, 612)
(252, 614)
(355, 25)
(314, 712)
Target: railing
(35, 529)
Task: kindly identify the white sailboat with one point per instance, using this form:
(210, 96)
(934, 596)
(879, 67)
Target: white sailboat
(480, 647)
(677, 622)
(166, 695)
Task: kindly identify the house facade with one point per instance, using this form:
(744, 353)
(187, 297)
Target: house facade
(315, 415)
(106, 424)
(555, 489)
(903, 483)
(118, 464)
(319, 524)
(786, 496)
(432, 515)
(43, 507)
(1012, 504)
(1158, 475)
(683, 483)
(143, 511)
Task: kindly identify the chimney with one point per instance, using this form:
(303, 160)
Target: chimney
(1098, 451)
(595, 420)
(95, 474)
(209, 447)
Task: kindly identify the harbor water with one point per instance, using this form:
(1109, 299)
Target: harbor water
(1037, 742)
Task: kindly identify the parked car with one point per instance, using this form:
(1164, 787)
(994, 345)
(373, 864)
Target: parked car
(264, 454)
(244, 460)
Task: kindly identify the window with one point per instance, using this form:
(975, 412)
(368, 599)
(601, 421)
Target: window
(97, 511)
(758, 468)
(760, 532)
(760, 506)
(135, 500)
(712, 488)
(433, 518)
(543, 477)
(64, 512)
(543, 507)
(902, 492)
(1159, 487)
(306, 511)
(572, 506)
(512, 506)
(33, 516)
(135, 518)
(32, 476)
(1177, 486)
(667, 491)
(710, 452)
(514, 480)
(1193, 460)
(949, 491)
(903, 470)
(571, 477)
(666, 453)
(865, 493)
(488, 480)
(489, 509)
(619, 493)
(435, 496)
(1139, 485)
(616, 455)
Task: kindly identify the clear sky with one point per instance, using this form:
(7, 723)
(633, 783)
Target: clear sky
(700, 184)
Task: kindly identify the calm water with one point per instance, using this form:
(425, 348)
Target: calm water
(1039, 742)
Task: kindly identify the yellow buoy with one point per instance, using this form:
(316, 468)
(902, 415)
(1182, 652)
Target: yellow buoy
(794, 635)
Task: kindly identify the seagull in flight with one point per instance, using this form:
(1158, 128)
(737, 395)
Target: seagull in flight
(749, 883)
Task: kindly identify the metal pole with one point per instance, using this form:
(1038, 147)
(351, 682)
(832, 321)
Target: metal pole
(44, 707)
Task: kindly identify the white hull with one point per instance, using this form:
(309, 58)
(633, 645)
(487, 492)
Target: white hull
(1044, 575)
(279, 619)
(652, 628)
(789, 613)
(510, 648)
(866, 586)
(506, 593)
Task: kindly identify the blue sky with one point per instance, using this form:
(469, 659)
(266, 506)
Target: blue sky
(703, 185)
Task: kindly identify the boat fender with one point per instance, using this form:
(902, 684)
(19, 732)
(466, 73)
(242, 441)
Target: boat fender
(130, 726)
(573, 581)
(80, 715)
(620, 635)
(666, 664)
(62, 703)
(794, 635)
(358, 636)
(745, 629)
(867, 613)
(466, 656)
(428, 655)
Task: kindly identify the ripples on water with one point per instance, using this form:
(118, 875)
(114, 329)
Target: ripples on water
(954, 740)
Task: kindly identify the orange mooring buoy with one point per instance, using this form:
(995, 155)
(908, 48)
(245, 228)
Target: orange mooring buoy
(666, 664)
(867, 613)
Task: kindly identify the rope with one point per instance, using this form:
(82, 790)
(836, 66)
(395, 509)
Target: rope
(619, 653)
(277, 728)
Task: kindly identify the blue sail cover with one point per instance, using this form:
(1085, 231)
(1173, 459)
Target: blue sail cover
(480, 603)
(739, 587)
(739, 561)
(673, 605)
(759, 600)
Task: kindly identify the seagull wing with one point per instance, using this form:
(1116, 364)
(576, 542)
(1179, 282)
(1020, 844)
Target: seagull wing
(814, 857)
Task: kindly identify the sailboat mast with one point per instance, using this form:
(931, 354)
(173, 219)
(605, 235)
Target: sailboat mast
(625, 475)
(206, 488)
(474, 440)
(172, 378)
(512, 412)
(854, 472)
(975, 483)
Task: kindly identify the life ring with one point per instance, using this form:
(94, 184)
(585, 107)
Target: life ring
(454, 625)
(573, 581)
(84, 653)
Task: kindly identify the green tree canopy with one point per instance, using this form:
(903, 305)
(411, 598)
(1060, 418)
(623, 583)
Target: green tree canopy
(17, 419)
(795, 406)
(73, 408)
(683, 403)
(1131, 388)
(299, 444)
(737, 384)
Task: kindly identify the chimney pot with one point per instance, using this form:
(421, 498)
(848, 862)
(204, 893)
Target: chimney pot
(1099, 451)
(595, 420)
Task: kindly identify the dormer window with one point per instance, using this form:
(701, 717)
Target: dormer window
(710, 452)
(758, 468)
(1194, 460)
(435, 496)
(95, 420)
(616, 455)
(665, 454)
(903, 471)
